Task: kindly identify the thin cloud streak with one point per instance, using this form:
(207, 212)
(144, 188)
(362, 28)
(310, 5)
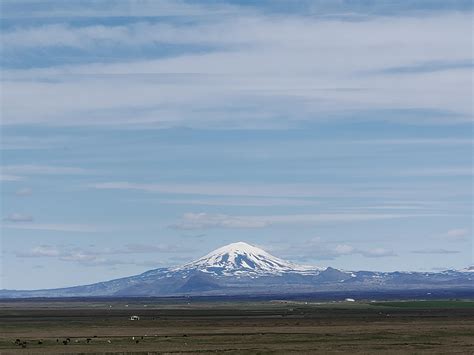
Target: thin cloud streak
(34, 169)
(239, 201)
(18, 218)
(9, 177)
(81, 228)
(457, 235)
(414, 141)
(435, 251)
(429, 67)
(202, 220)
(446, 171)
(273, 190)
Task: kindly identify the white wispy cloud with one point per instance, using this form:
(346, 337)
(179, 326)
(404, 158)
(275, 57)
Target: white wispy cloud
(218, 189)
(102, 256)
(207, 220)
(285, 190)
(242, 75)
(52, 227)
(376, 252)
(445, 171)
(414, 141)
(320, 249)
(24, 191)
(9, 177)
(79, 256)
(457, 235)
(242, 201)
(15, 142)
(138, 248)
(40, 251)
(435, 251)
(345, 249)
(35, 169)
(23, 171)
(18, 217)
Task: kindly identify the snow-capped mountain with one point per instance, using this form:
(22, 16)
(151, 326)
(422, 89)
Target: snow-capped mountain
(242, 259)
(242, 269)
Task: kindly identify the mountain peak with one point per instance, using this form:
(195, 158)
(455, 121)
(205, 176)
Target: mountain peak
(241, 258)
(238, 247)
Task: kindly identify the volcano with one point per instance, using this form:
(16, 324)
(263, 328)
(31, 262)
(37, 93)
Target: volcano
(240, 269)
(242, 259)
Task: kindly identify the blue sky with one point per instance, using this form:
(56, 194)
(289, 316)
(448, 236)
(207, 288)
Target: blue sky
(139, 134)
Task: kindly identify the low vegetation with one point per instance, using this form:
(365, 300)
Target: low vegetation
(185, 325)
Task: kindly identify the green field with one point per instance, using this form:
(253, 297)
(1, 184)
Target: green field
(426, 304)
(273, 327)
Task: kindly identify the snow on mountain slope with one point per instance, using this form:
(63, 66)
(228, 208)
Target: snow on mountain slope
(244, 259)
(467, 269)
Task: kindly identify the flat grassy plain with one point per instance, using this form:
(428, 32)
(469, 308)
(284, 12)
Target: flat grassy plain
(235, 327)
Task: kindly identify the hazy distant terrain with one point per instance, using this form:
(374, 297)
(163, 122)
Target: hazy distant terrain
(242, 269)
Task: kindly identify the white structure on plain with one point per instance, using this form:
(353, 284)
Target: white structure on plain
(349, 300)
(134, 318)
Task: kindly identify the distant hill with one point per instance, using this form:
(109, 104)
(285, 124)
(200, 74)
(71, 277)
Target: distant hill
(243, 269)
